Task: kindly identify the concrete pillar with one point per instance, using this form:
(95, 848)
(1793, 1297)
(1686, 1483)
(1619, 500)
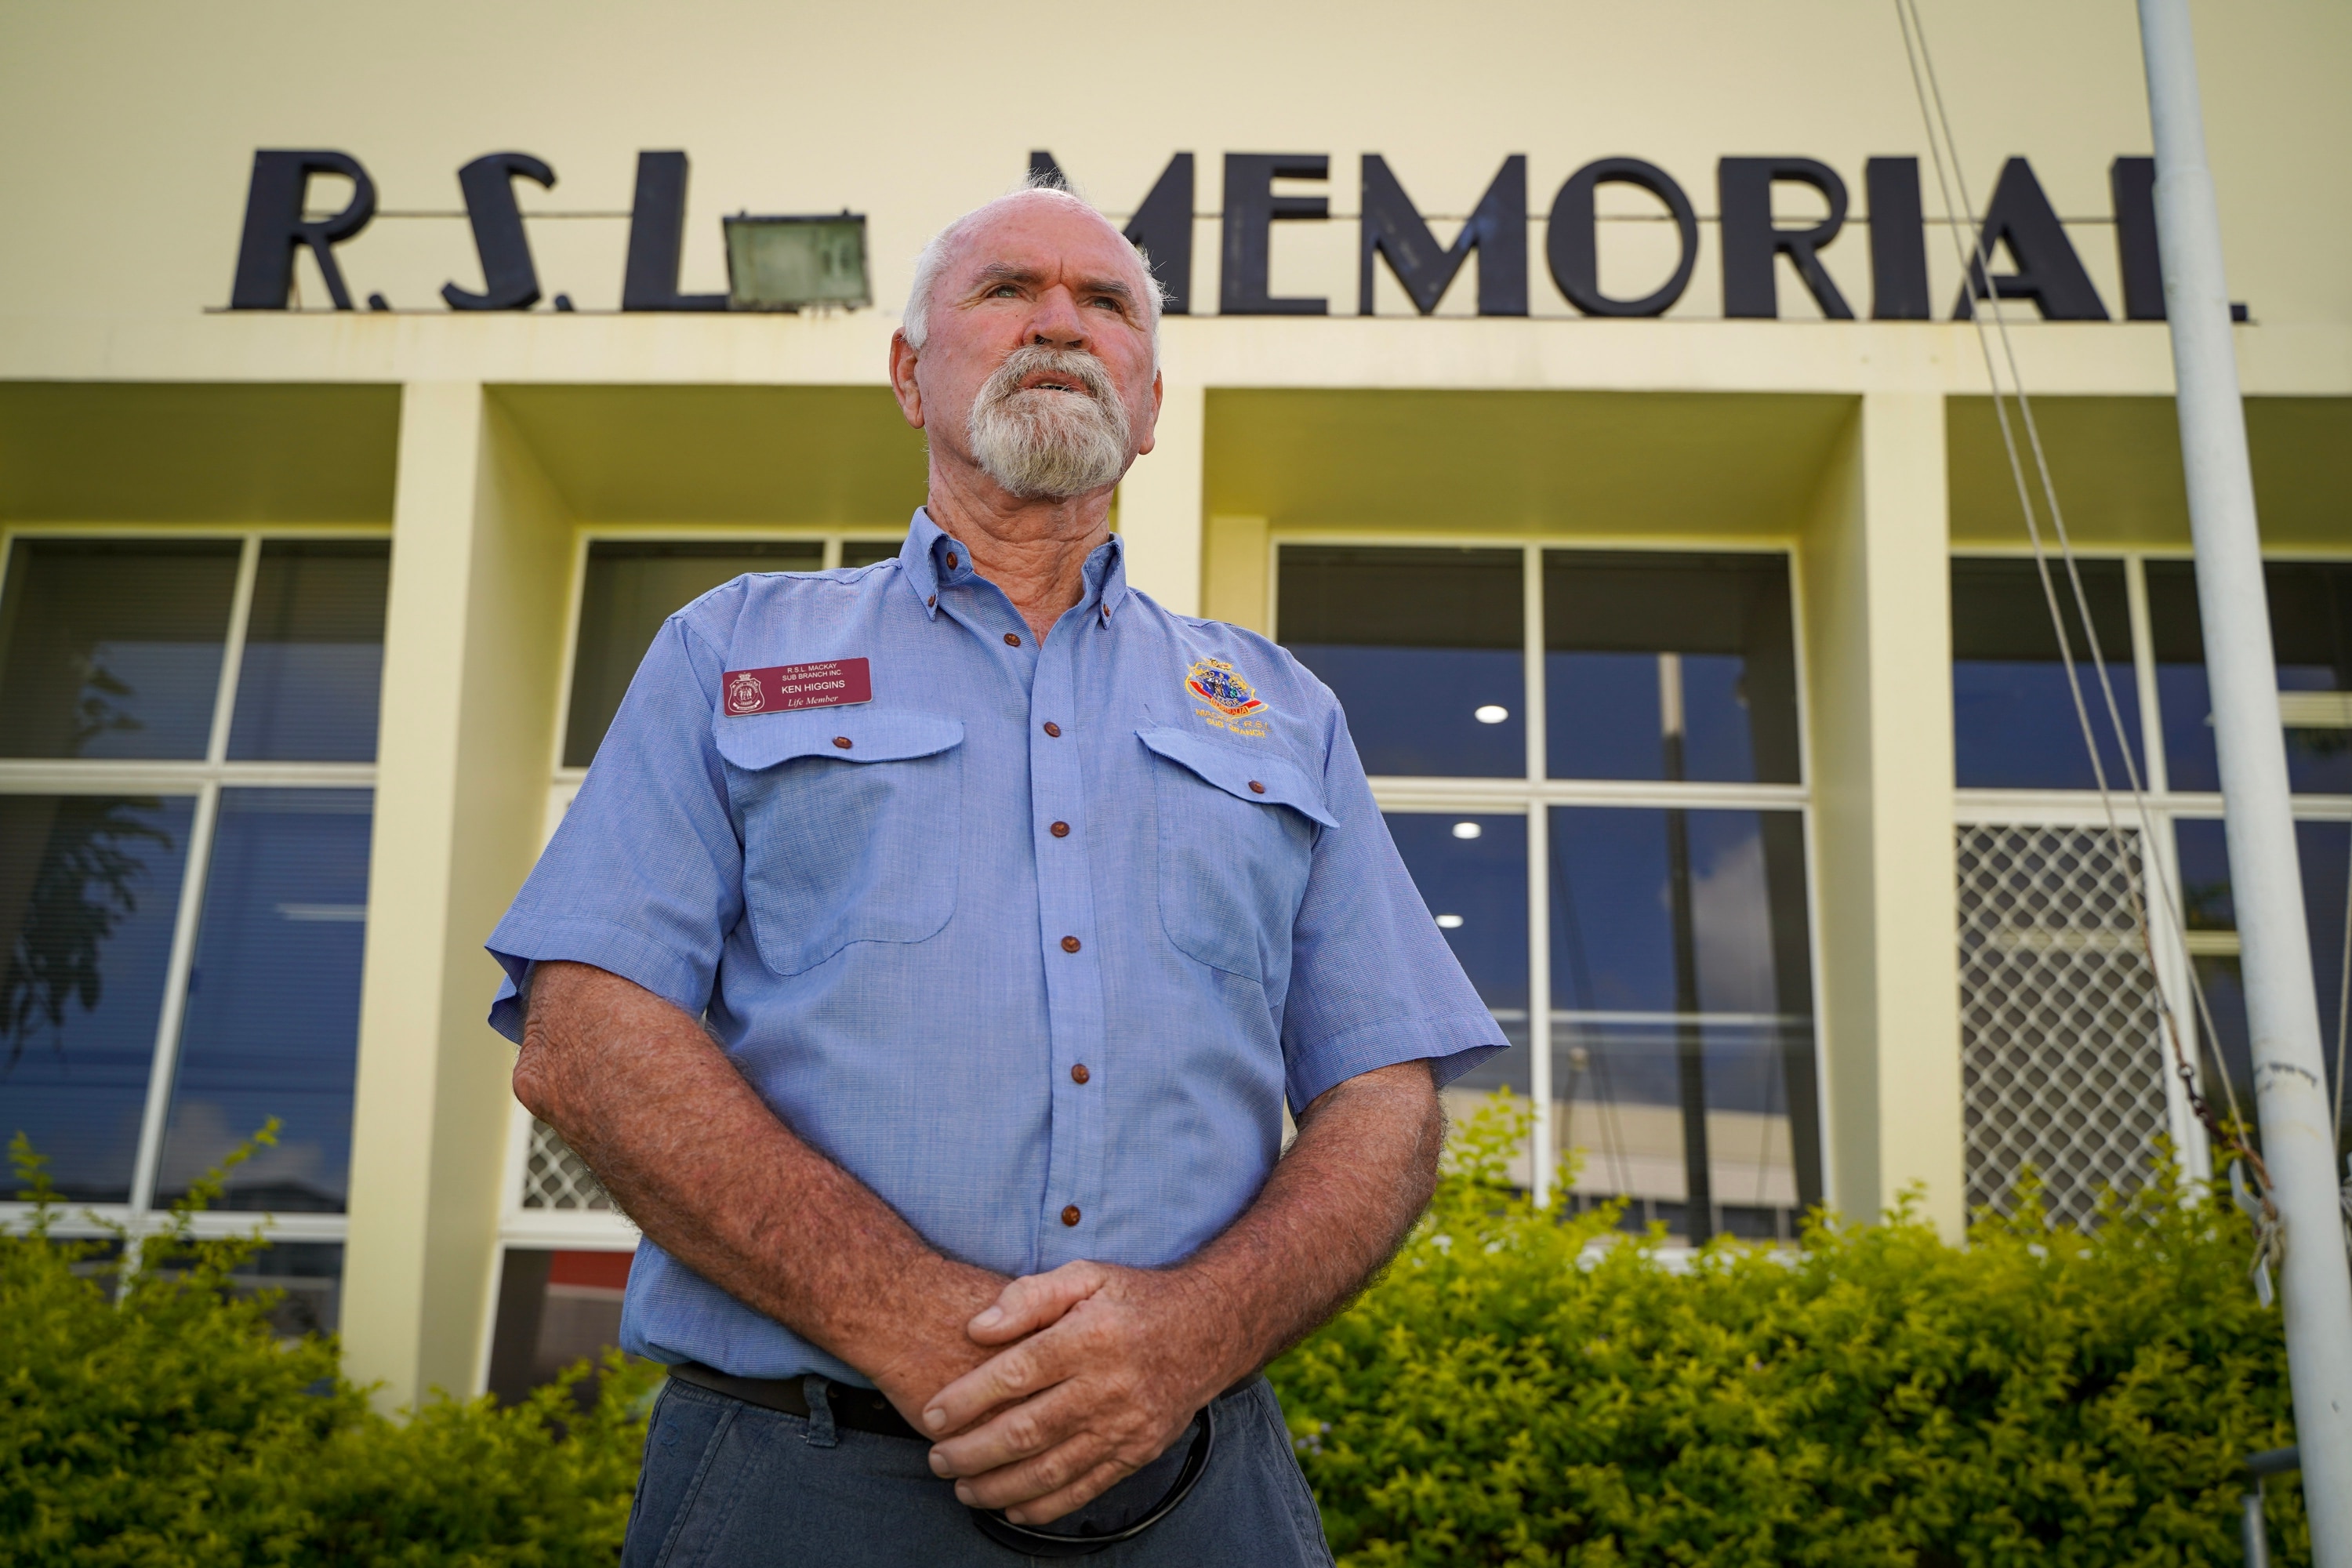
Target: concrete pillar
(1160, 504)
(1874, 568)
(480, 562)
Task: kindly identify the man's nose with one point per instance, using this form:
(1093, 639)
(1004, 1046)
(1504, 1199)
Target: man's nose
(1055, 323)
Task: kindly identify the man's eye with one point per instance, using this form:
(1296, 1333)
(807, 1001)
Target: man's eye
(1003, 291)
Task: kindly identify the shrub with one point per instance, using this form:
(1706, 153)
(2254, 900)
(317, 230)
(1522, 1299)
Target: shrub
(1526, 1386)
(1521, 1386)
(151, 1414)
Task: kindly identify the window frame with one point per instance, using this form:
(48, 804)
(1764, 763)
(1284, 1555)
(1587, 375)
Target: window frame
(1534, 792)
(2166, 807)
(201, 780)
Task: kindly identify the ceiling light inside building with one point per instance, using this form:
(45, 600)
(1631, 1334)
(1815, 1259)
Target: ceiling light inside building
(1449, 922)
(1467, 830)
(1492, 713)
(796, 263)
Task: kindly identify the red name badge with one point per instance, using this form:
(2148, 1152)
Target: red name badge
(784, 686)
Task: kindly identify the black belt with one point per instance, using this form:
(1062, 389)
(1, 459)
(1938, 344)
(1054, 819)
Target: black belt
(859, 1410)
(867, 1410)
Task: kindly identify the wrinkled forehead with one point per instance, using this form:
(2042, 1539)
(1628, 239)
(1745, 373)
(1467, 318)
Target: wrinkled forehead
(1046, 235)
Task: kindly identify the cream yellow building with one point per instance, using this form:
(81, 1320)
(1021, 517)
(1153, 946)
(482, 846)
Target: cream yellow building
(238, 538)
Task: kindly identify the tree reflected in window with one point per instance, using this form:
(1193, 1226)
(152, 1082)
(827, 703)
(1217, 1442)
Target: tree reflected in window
(86, 881)
(89, 889)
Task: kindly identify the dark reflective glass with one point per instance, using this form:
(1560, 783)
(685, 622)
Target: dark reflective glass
(1669, 667)
(2311, 637)
(631, 588)
(2225, 997)
(1423, 648)
(308, 1277)
(866, 551)
(1619, 1083)
(2324, 852)
(308, 682)
(89, 889)
(1682, 997)
(2013, 719)
(554, 1309)
(112, 647)
(1472, 871)
(272, 1024)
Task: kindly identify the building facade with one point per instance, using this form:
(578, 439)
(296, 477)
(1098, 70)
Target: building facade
(1589, 395)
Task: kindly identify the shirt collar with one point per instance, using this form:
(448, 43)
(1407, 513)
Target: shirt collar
(923, 562)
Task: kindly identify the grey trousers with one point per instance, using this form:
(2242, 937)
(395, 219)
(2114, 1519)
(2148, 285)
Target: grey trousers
(731, 1485)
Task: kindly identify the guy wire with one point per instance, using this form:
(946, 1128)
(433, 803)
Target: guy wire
(1976, 266)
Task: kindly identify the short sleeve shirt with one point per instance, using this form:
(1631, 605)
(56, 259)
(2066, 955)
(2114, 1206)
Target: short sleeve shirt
(1033, 940)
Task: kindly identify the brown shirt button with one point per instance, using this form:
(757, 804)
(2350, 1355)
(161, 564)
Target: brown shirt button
(842, 741)
(932, 599)
(1256, 788)
(1053, 728)
(1070, 1215)
(1079, 1074)
(1060, 830)
(1069, 944)
(952, 560)
(1013, 639)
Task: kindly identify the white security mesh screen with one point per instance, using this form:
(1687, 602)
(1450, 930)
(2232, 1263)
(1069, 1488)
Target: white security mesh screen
(553, 1177)
(2059, 1047)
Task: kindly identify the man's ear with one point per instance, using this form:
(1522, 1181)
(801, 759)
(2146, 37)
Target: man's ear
(1158, 400)
(903, 386)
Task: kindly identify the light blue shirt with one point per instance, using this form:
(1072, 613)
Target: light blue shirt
(1145, 850)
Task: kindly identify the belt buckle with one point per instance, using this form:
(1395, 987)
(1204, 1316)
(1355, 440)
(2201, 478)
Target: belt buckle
(1045, 1544)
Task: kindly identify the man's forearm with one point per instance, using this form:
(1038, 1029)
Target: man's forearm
(697, 1159)
(1358, 1175)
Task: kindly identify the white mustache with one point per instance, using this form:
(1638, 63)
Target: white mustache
(1083, 369)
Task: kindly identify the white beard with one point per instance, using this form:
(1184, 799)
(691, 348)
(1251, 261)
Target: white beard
(1049, 445)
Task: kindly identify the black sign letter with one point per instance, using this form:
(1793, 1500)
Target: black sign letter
(1750, 242)
(1898, 241)
(273, 226)
(2048, 271)
(510, 282)
(1251, 210)
(1162, 229)
(656, 231)
(2132, 183)
(1497, 229)
(1569, 246)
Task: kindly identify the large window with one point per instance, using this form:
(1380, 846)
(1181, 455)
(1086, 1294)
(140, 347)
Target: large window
(187, 747)
(1617, 732)
(2063, 1064)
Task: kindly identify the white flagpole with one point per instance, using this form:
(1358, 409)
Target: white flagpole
(2282, 1008)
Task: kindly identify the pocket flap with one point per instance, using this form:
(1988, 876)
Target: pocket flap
(763, 740)
(1260, 778)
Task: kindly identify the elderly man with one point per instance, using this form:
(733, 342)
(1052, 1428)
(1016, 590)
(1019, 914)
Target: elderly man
(923, 965)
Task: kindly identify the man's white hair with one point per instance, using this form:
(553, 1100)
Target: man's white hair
(933, 260)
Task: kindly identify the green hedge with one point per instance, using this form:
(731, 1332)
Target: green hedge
(1507, 1393)
(173, 1427)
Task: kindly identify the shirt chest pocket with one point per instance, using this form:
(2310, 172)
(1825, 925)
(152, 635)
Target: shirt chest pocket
(1236, 842)
(852, 827)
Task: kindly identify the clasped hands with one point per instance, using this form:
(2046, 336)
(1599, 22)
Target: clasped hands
(1099, 1370)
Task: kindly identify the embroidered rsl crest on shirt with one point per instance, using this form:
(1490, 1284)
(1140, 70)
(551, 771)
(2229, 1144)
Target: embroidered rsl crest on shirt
(1232, 703)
